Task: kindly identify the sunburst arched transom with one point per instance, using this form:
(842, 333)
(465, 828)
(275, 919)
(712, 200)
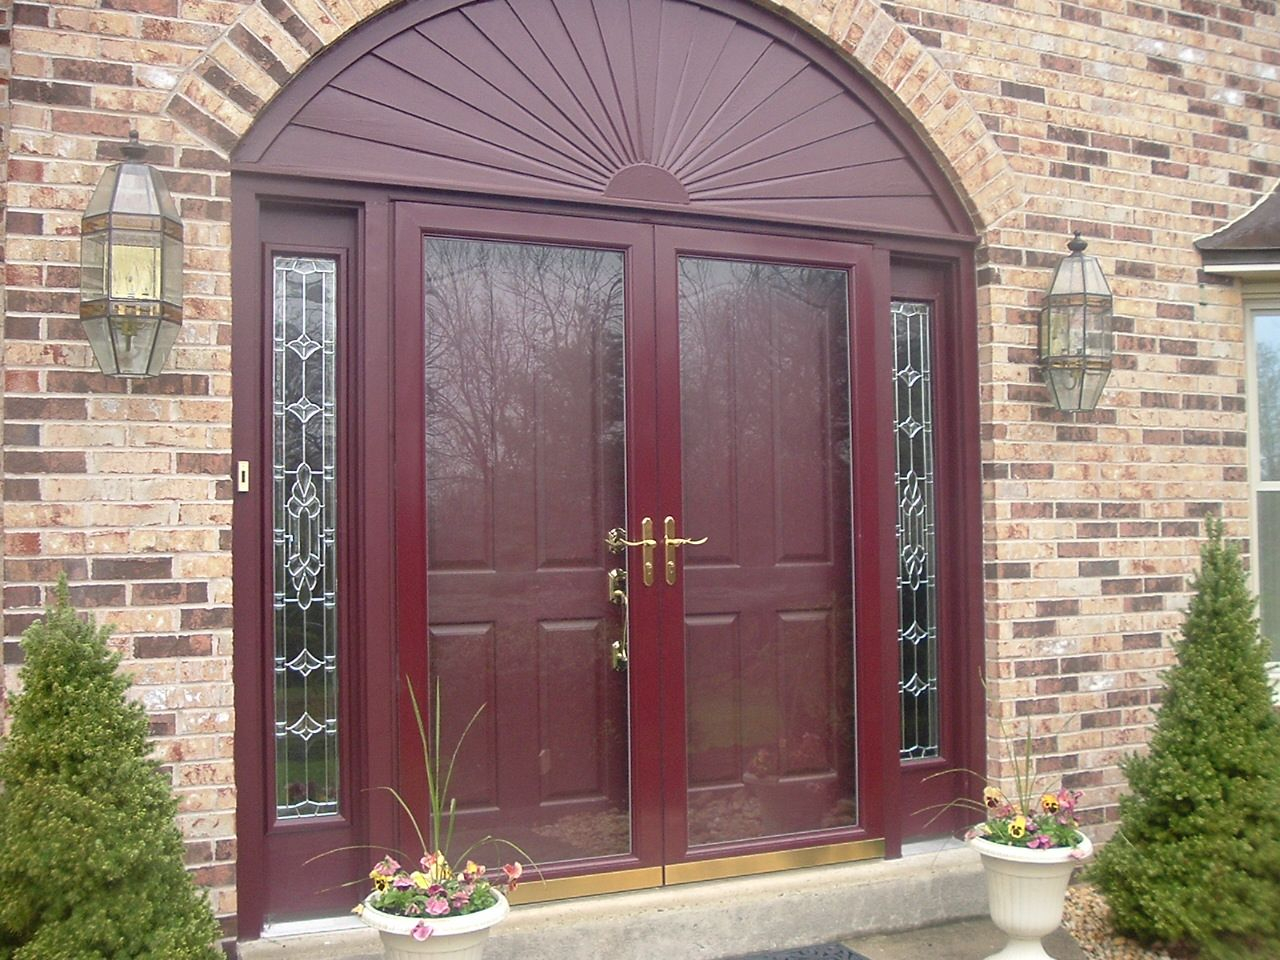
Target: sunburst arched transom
(667, 102)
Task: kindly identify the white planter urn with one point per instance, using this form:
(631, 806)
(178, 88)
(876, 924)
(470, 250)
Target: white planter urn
(454, 938)
(1027, 890)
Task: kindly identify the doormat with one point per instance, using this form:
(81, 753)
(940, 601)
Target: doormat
(823, 951)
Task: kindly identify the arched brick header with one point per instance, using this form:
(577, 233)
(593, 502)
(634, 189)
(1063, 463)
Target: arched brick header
(223, 92)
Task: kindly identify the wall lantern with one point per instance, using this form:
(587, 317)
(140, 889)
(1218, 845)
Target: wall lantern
(1075, 331)
(131, 268)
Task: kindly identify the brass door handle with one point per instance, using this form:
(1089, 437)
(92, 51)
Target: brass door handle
(616, 540)
(620, 649)
(617, 585)
(671, 543)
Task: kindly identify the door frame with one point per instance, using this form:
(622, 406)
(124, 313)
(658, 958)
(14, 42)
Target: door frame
(380, 718)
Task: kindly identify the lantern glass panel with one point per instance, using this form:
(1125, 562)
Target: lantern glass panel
(93, 265)
(132, 340)
(1091, 386)
(135, 265)
(1097, 326)
(171, 284)
(98, 331)
(136, 190)
(105, 192)
(166, 334)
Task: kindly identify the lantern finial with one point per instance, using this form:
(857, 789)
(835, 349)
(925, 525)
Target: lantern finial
(134, 150)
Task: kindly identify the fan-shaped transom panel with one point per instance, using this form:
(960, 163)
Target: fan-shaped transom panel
(691, 104)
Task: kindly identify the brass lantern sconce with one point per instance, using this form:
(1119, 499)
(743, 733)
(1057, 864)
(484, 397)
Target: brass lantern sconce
(131, 268)
(1076, 331)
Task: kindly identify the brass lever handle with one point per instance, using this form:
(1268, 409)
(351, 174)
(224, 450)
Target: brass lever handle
(616, 540)
(671, 542)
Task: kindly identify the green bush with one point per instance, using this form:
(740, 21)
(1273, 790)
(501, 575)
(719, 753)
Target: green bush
(1196, 863)
(90, 855)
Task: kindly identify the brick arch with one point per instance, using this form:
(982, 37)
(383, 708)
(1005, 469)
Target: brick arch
(223, 91)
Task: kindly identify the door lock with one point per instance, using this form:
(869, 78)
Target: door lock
(616, 540)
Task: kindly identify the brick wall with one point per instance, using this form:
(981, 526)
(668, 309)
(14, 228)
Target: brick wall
(1143, 125)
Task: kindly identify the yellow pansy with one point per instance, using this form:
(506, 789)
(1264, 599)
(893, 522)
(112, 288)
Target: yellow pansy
(993, 798)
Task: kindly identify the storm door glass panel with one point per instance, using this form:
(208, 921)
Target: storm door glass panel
(917, 561)
(525, 472)
(765, 448)
(1266, 381)
(304, 432)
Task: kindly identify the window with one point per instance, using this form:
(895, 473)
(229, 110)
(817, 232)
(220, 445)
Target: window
(1263, 337)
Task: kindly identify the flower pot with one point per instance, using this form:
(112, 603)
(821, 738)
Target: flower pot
(457, 938)
(1027, 889)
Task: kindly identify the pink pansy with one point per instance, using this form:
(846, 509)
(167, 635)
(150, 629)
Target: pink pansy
(1041, 841)
(437, 906)
(421, 931)
(386, 867)
(1077, 853)
(402, 882)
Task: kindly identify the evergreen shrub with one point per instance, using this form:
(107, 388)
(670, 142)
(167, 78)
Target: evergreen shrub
(90, 856)
(1196, 862)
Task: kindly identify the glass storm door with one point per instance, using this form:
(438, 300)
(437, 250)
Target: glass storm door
(767, 599)
(634, 472)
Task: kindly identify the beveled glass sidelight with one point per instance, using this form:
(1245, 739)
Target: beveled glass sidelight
(917, 542)
(1076, 331)
(131, 268)
(304, 482)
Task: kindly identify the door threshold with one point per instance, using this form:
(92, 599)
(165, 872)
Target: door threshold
(318, 925)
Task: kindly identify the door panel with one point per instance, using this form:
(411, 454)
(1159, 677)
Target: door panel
(764, 395)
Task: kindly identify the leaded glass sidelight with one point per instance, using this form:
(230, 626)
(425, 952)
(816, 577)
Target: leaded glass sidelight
(304, 323)
(917, 558)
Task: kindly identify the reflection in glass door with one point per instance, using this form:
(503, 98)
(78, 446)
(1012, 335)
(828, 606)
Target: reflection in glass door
(766, 472)
(525, 472)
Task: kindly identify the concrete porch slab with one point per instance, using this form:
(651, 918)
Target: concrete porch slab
(710, 920)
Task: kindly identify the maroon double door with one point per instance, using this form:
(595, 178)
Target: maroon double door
(638, 463)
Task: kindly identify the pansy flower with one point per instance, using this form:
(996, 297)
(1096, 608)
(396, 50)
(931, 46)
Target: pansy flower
(421, 931)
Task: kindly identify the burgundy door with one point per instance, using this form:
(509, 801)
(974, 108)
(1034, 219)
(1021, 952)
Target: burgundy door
(560, 378)
(756, 447)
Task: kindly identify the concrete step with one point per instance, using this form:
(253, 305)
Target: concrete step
(709, 920)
